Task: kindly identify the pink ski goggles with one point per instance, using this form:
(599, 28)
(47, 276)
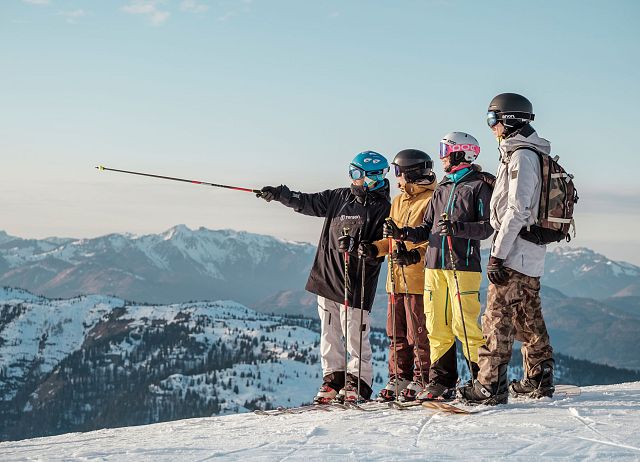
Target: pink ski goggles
(447, 149)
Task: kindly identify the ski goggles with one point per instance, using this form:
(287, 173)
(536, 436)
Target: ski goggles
(495, 117)
(422, 168)
(447, 149)
(355, 173)
(492, 119)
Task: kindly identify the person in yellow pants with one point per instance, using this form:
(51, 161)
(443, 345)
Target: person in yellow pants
(464, 195)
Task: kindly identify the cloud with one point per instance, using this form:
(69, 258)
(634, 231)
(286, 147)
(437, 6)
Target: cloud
(72, 16)
(37, 2)
(235, 8)
(149, 8)
(193, 6)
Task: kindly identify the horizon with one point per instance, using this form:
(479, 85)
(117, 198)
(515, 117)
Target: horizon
(551, 247)
(253, 93)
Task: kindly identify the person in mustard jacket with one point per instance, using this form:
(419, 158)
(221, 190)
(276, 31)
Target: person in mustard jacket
(409, 345)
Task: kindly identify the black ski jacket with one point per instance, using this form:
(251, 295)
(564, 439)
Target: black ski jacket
(467, 203)
(363, 213)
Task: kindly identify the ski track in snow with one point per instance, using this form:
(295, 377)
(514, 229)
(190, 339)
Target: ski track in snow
(601, 424)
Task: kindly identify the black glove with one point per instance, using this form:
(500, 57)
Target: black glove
(496, 272)
(390, 229)
(270, 193)
(447, 227)
(346, 243)
(367, 250)
(403, 257)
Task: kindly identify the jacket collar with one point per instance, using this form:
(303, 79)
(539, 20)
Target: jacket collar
(413, 189)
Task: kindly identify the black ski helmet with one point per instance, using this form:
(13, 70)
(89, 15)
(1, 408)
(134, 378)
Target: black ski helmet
(415, 164)
(513, 110)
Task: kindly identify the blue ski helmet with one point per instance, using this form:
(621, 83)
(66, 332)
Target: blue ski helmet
(371, 166)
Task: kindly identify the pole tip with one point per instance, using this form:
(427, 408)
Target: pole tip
(100, 167)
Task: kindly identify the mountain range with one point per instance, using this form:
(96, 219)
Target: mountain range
(592, 303)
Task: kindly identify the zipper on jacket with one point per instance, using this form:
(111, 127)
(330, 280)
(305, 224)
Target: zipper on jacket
(468, 250)
(449, 210)
(481, 208)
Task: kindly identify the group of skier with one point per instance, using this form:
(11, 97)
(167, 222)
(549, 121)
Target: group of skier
(431, 233)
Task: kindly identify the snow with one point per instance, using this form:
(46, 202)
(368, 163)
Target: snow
(46, 332)
(601, 424)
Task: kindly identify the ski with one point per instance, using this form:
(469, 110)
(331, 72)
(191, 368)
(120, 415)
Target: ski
(567, 390)
(402, 405)
(297, 410)
(446, 407)
(367, 406)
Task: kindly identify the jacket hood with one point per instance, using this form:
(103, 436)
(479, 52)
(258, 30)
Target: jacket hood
(526, 138)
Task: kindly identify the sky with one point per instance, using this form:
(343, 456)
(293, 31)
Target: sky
(254, 92)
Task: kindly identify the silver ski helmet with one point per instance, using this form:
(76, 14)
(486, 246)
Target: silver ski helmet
(371, 166)
(416, 165)
(513, 110)
(459, 147)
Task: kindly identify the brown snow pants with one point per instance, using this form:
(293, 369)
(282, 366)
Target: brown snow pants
(411, 348)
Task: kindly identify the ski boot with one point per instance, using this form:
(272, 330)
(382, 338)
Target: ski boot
(538, 386)
(388, 393)
(411, 391)
(435, 391)
(497, 393)
(349, 394)
(325, 395)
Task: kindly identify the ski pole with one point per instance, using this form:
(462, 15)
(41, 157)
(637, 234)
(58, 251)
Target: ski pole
(455, 278)
(392, 298)
(362, 262)
(235, 188)
(345, 232)
(416, 349)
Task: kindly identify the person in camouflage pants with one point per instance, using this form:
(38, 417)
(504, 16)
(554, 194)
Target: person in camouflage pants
(513, 312)
(515, 265)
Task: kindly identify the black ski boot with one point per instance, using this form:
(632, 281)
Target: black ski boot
(538, 386)
(496, 393)
(435, 391)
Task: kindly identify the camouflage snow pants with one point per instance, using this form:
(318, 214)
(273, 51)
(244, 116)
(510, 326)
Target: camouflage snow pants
(513, 312)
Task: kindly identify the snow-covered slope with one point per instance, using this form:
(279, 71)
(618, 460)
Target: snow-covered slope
(601, 424)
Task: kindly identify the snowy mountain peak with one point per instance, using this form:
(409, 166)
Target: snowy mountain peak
(177, 232)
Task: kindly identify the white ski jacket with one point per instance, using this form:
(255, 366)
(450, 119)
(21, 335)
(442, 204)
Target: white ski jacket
(515, 202)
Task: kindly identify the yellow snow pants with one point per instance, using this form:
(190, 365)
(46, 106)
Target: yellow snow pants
(442, 311)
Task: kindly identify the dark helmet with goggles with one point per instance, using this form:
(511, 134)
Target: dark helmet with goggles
(416, 165)
(512, 110)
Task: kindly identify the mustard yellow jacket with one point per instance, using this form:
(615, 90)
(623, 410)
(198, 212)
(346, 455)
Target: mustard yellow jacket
(407, 209)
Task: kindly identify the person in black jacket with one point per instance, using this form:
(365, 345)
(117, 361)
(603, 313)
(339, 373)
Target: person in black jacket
(464, 195)
(352, 216)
